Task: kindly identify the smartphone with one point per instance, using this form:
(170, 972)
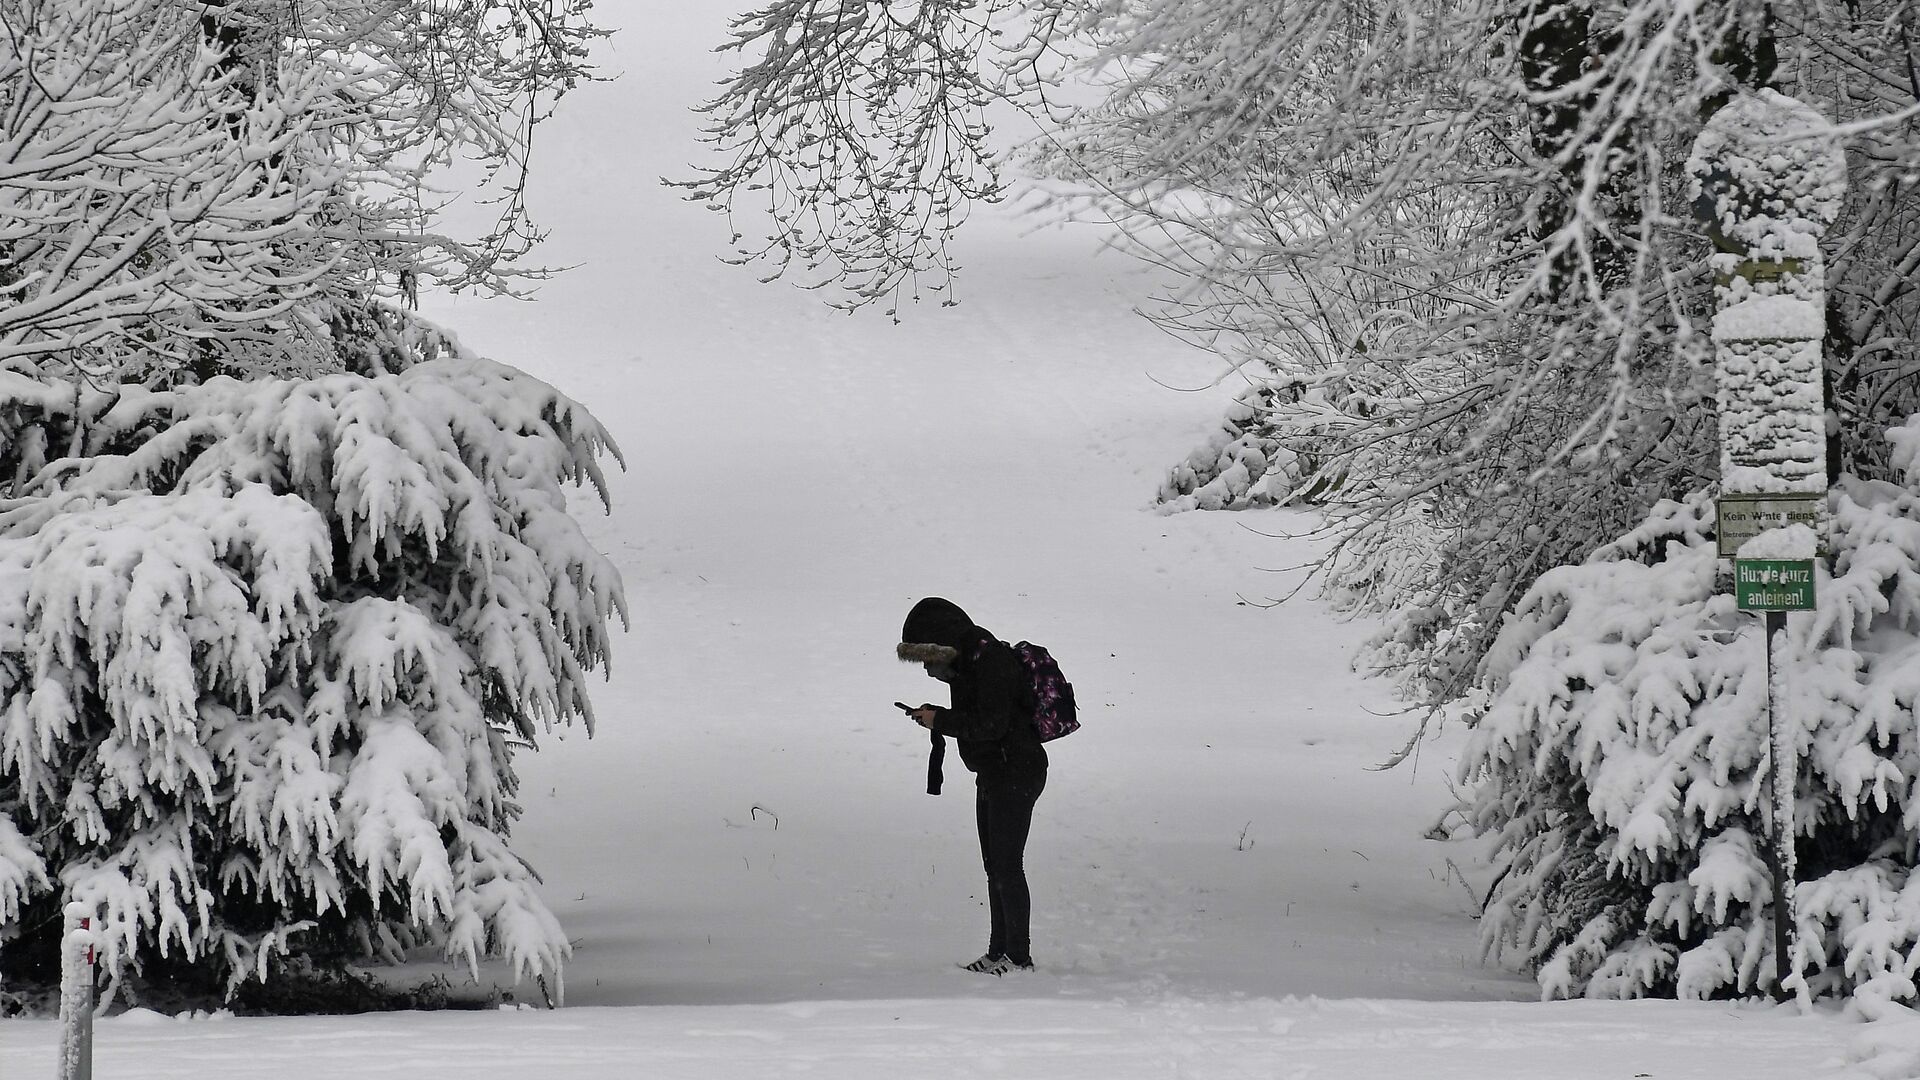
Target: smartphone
(903, 706)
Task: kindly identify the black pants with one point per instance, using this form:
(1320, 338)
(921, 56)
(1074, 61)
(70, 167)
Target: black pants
(1004, 812)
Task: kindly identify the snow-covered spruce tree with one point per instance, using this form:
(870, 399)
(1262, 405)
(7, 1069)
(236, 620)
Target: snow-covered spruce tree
(267, 647)
(266, 650)
(1620, 758)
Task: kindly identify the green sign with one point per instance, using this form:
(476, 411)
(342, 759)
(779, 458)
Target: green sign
(1745, 516)
(1773, 584)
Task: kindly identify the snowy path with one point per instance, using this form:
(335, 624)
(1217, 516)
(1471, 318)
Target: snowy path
(994, 1036)
(798, 480)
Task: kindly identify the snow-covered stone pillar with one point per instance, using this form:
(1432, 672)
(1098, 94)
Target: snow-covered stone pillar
(76, 994)
(1768, 177)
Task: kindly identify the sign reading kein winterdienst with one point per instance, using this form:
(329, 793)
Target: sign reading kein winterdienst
(1745, 515)
(1773, 584)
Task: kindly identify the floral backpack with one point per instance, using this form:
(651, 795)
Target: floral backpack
(1054, 711)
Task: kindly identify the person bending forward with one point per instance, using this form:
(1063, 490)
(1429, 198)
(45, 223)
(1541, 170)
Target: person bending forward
(991, 720)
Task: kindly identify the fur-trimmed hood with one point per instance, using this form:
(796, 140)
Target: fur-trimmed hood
(923, 652)
(936, 631)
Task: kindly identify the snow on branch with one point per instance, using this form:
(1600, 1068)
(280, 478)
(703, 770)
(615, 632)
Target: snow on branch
(138, 184)
(861, 131)
(193, 184)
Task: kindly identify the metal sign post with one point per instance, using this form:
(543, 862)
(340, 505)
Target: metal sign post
(1781, 781)
(1773, 587)
(76, 994)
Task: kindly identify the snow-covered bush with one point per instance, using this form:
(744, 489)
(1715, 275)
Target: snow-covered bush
(1241, 465)
(266, 650)
(1621, 761)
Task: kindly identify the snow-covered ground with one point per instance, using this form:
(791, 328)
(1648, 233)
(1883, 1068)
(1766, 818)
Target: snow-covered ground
(755, 882)
(1004, 1031)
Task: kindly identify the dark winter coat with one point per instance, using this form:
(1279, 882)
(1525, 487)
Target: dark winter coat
(991, 718)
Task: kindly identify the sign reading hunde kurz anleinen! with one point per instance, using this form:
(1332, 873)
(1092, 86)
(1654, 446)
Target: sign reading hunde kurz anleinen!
(1773, 584)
